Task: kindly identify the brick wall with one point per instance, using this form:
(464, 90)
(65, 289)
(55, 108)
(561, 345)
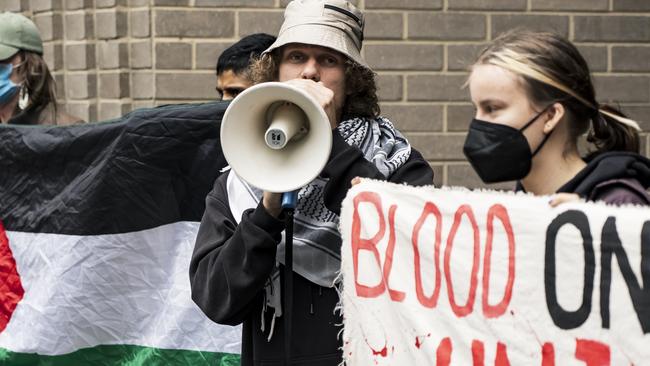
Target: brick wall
(112, 56)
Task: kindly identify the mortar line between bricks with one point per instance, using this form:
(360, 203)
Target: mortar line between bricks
(445, 174)
(395, 9)
(412, 72)
(644, 75)
(64, 69)
(609, 58)
(445, 58)
(214, 9)
(432, 42)
(641, 44)
(193, 55)
(254, 10)
(236, 25)
(635, 104)
(153, 15)
(488, 24)
(445, 117)
(160, 71)
(159, 40)
(95, 70)
(552, 13)
(420, 103)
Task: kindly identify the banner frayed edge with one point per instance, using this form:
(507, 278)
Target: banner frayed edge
(404, 187)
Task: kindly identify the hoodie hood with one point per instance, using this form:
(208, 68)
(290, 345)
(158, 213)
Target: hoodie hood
(610, 166)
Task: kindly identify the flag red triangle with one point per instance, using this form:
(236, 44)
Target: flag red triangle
(11, 290)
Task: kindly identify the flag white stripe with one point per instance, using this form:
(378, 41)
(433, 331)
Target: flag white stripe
(131, 288)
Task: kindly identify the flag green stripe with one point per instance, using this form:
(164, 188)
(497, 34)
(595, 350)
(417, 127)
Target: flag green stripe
(123, 355)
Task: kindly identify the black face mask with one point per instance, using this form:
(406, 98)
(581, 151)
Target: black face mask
(499, 153)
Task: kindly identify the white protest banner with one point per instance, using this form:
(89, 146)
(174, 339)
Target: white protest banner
(455, 277)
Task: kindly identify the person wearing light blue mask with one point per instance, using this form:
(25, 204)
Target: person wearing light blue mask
(8, 89)
(27, 88)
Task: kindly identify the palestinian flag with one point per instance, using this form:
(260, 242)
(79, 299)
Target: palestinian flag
(97, 228)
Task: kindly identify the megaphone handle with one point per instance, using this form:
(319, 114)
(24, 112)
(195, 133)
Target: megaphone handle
(288, 282)
(289, 200)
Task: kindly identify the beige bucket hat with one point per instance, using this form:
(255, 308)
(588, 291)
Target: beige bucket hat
(334, 24)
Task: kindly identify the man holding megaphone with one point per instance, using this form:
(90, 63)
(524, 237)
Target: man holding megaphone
(234, 271)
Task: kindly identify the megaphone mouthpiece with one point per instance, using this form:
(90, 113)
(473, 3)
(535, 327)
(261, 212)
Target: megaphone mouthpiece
(287, 122)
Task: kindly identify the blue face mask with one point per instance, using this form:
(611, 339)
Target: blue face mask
(8, 88)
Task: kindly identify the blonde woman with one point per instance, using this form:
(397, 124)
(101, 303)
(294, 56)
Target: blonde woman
(27, 89)
(534, 98)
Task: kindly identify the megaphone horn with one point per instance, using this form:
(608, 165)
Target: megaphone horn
(276, 137)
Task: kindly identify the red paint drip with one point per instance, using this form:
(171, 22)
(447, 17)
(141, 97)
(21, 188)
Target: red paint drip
(11, 289)
(419, 343)
(383, 352)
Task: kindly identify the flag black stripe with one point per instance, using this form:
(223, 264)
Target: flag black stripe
(149, 168)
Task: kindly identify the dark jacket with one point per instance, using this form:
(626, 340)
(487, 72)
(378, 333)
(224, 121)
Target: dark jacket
(613, 177)
(231, 264)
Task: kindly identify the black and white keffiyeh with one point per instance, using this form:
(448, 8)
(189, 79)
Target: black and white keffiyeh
(316, 239)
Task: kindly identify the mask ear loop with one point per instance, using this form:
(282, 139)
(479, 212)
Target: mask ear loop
(14, 67)
(542, 144)
(534, 118)
(532, 121)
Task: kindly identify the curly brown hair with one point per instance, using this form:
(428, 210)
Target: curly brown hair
(360, 86)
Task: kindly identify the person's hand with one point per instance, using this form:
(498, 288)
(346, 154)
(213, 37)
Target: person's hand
(355, 181)
(272, 203)
(323, 95)
(559, 198)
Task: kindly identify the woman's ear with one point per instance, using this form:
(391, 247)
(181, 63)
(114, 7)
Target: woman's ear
(555, 113)
(18, 58)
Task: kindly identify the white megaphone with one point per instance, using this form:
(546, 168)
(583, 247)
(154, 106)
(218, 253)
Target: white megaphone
(276, 137)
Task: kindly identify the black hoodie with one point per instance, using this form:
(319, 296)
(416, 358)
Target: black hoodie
(613, 177)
